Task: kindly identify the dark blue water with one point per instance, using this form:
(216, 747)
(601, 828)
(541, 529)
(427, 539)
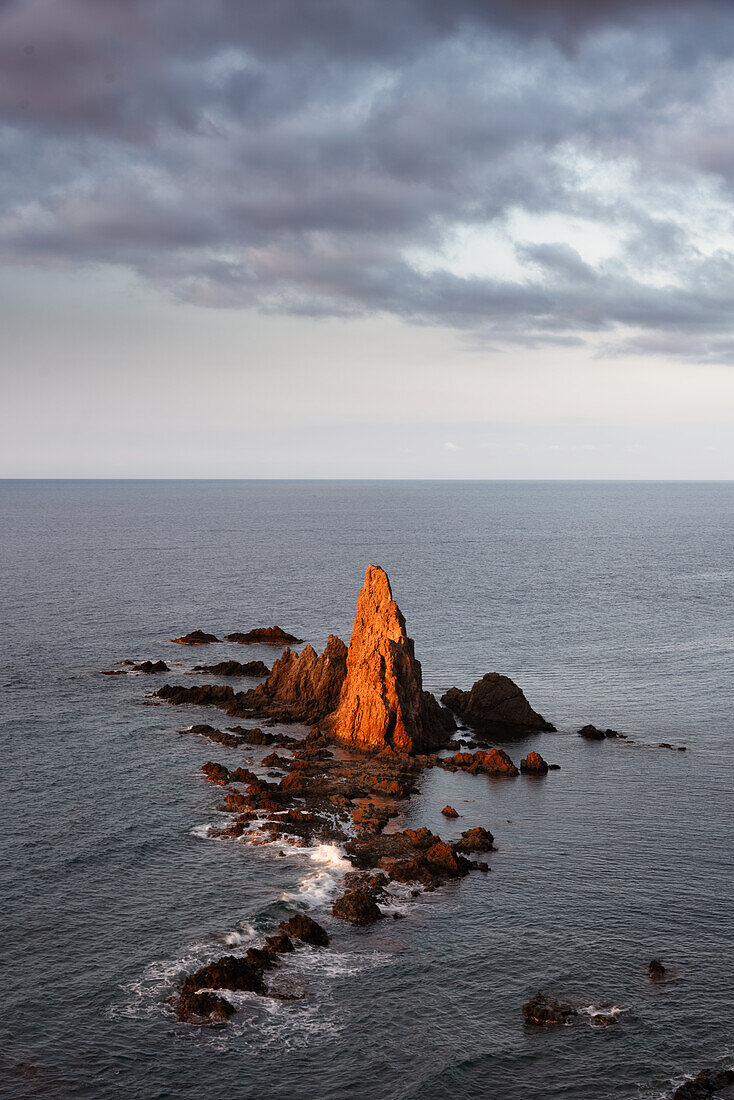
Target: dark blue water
(609, 603)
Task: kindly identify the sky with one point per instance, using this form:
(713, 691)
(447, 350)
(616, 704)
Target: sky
(367, 238)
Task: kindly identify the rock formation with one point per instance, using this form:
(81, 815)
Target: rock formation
(382, 702)
(303, 687)
(264, 635)
(495, 704)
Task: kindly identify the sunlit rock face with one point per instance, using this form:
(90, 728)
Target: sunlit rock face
(382, 702)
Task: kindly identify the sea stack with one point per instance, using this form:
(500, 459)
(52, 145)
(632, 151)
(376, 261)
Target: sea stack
(382, 704)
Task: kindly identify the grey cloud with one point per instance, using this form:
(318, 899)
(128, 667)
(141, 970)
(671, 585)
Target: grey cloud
(295, 154)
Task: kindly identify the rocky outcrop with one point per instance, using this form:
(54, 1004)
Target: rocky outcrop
(264, 635)
(493, 762)
(302, 687)
(449, 811)
(708, 1083)
(382, 704)
(235, 668)
(533, 764)
(495, 705)
(196, 637)
(150, 667)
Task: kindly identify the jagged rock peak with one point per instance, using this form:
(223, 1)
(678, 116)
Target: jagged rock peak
(382, 702)
(305, 685)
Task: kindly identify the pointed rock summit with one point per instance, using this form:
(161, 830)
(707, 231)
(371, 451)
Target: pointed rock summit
(382, 703)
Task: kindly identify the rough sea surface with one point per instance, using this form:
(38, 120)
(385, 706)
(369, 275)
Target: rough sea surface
(609, 603)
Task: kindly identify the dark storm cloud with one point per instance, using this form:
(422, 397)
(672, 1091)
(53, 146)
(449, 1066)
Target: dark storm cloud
(307, 155)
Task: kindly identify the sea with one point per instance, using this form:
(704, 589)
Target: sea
(608, 602)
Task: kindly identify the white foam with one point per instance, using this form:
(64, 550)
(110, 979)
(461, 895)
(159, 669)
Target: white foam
(318, 887)
(602, 1010)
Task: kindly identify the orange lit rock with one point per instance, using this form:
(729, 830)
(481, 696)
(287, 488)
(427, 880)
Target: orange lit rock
(382, 703)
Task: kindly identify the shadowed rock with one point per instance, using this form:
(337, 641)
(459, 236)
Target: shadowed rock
(304, 928)
(709, 1082)
(235, 668)
(196, 637)
(656, 970)
(302, 687)
(264, 635)
(495, 704)
(542, 1012)
(382, 702)
(358, 907)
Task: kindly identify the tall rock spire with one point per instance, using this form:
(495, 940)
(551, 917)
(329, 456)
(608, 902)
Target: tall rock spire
(382, 703)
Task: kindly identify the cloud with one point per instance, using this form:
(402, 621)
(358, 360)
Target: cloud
(296, 155)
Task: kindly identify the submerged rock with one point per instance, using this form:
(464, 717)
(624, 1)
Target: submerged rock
(196, 637)
(495, 704)
(656, 970)
(542, 1012)
(382, 702)
(264, 635)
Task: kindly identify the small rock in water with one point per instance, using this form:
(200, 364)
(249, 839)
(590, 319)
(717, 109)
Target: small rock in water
(656, 970)
(196, 637)
(449, 811)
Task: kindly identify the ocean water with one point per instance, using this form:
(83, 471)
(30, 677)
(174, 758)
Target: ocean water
(610, 603)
